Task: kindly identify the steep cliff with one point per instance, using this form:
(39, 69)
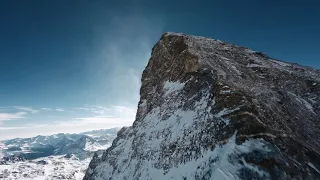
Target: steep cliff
(213, 110)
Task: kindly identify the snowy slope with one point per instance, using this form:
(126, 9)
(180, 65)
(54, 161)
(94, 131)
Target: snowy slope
(48, 168)
(103, 138)
(213, 110)
(60, 156)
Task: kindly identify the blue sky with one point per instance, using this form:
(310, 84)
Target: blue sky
(70, 66)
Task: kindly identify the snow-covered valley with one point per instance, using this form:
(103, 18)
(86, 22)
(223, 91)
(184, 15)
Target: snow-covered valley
(59, 156)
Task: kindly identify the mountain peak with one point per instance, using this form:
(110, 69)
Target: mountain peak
(210, 109)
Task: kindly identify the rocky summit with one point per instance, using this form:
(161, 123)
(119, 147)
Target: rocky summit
(214, 110)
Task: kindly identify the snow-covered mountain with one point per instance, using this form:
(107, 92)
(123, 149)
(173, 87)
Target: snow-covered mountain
(59, 156)
(213, 110)
(82, 145)
(102, 138)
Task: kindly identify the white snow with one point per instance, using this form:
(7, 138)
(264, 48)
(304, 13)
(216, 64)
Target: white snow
(57, 166)
(238, 72)
(250, 51)
(171, 87)
(93, 146)
(313, 167)
(225, 91)
(175, 34)
(224, 112)
(158, 133)
(280, 63)
(143, 104)
(255, 65)
(221, 169)
(303, 102)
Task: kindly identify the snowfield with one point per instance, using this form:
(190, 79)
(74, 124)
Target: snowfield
(48, 168)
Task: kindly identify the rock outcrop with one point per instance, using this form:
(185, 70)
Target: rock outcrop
(213, 110)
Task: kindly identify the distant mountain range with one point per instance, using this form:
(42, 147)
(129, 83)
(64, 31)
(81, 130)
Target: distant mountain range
(49, 156)
(81, 145)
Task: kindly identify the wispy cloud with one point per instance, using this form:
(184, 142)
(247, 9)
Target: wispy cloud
(113, 116)
(12, 128)
(11, 116)
(86, 109)
(36, 125)
(27, 109)
(46, 109)
(90, 120)
(123, 75)
(59, 109)
(123, 109)
(100, 110)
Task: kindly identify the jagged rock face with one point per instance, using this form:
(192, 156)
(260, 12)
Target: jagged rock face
(213, 110)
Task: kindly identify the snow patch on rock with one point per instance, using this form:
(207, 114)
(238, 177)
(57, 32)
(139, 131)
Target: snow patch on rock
(302, 101)
(171, 87)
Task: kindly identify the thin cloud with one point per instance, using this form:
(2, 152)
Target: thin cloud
(90, 120)
(27, 109)
(86, 109)
(38, 125)
(59, 109)
(12, 128)
(95, 109)
(11, 116)
(123, 109)
(114, 116)
(123, 75)
(46, 109)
